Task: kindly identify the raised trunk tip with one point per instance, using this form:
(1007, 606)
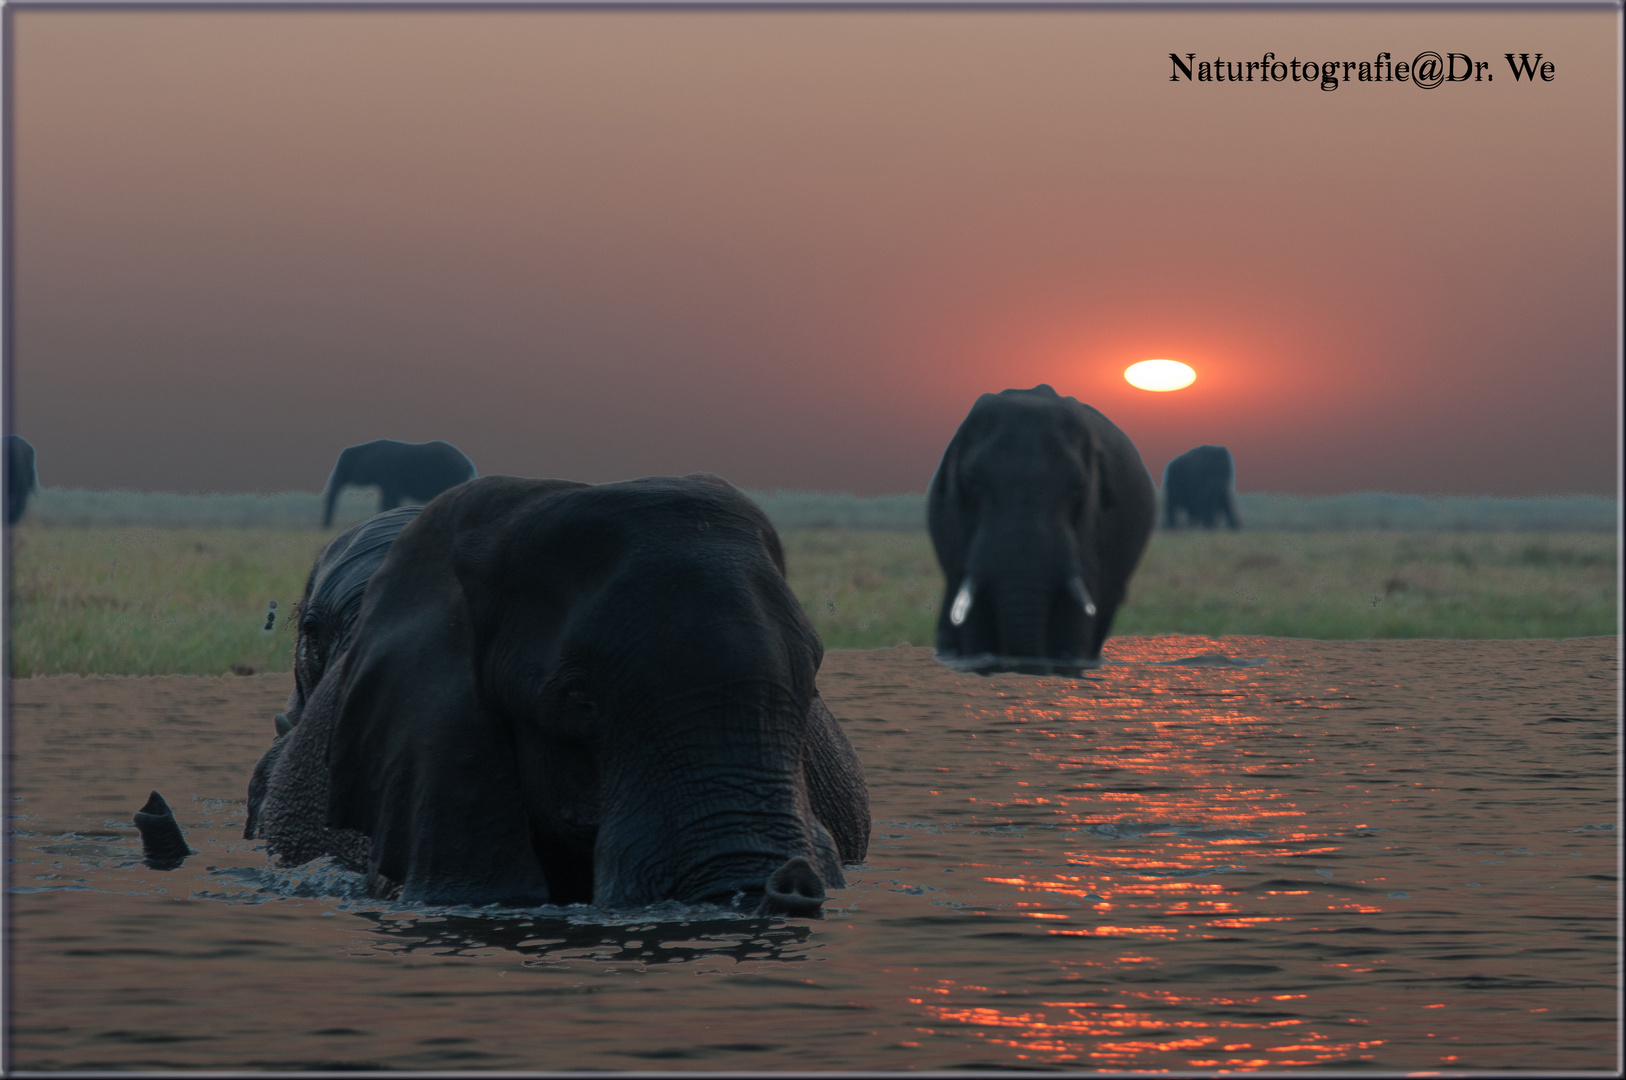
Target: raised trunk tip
(162, 845)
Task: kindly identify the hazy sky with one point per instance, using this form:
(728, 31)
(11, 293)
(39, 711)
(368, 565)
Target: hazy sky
(792, 247)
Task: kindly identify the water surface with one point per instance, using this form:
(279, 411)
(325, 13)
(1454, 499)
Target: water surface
(1396, 855)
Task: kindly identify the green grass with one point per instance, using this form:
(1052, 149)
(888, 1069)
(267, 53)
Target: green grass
(138, 600)
(870, 590)
(899, 513)
(865, 589)
(167, 509)
(1375, 585)
(145, 601)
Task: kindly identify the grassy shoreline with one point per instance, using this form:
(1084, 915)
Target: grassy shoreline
(144, 600)
(897, 513)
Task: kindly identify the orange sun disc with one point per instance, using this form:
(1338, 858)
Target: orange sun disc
(1160, 375)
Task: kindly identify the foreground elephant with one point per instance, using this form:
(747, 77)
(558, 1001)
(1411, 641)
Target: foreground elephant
(1200, 484)
(327, 618)
(21, 476)
(402, 471)
(557, 692)
(1038, 512)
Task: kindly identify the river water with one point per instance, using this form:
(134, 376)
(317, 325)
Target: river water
(1395, 855)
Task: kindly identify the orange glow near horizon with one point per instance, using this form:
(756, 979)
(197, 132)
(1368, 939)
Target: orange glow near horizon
(1160, 375)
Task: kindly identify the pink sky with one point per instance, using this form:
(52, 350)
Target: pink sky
(792, 247)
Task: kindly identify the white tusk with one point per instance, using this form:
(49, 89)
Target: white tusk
(962, 603)
(1083, 595)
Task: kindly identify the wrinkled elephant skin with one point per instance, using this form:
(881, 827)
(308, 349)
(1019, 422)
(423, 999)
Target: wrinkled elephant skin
(1038, 512)
(558, 692)
(326, 618)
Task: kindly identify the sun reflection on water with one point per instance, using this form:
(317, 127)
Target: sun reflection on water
(1162, 823)
(1105, 1033)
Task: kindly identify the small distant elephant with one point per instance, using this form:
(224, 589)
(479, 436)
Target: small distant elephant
(1200, 484)
(402, 471)
(564, 693)
(326, 619)
(1039, 512)
(21, 476)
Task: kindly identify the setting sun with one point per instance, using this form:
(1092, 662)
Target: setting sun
(1160, 375)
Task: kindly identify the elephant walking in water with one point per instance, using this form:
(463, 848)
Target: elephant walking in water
(1200, 484)
(1039, 512)
(568, 693)
(402, 471)
(21, 476)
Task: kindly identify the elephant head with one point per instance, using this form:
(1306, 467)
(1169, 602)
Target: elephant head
(1038, 512)
(571, 693)
(402, 472)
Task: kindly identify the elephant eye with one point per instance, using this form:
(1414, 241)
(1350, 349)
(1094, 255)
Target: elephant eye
(575, 698)
(569, 706)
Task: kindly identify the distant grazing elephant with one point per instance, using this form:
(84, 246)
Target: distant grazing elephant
(21, 476)
(567, 693)
(402, 471)
(1200, 484)
(326, 619)
(1039, 512)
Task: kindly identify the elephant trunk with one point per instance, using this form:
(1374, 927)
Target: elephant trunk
(717, 810)
(794, 890)
(329, 498)
(1029, 580)
(1021, 615)
(769, 864)
(350, 461)
(162, 845)
(703, 786)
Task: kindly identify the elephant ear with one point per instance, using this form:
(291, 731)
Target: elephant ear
(416, 761)
(944, 504)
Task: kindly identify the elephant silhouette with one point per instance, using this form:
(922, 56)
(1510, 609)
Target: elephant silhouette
(1038, 512)
(1200, 485)
(401, 470)
(21, 476)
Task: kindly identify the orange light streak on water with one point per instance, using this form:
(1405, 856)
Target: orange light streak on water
(1193, 809)
(1244, 922)
(1056, 1039)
